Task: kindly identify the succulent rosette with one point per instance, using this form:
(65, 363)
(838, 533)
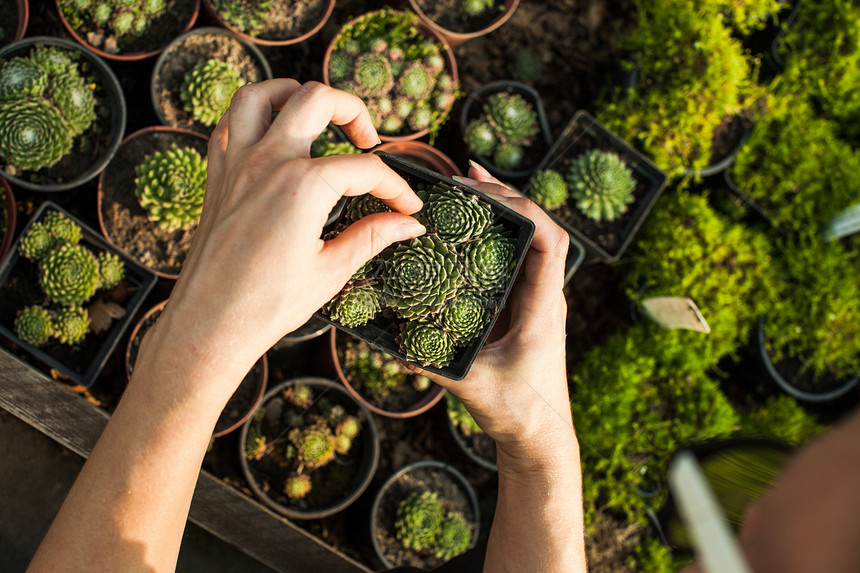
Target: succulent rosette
(354, 305)
(34, 325)
(69, 274)
(419, 517)
(465, 315)
(548, 188)
(365, 205)
(601, 184)
(170, 185)
(488, 261)
(426, 343)
(71, 325)
(456, 217)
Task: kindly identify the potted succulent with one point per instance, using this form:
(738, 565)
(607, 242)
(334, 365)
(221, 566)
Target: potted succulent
(127, 30)
(272, 22)
(432, 301)
(144, 207)
(422, 154)
(461, 20)
(381, 383)
(8, 216)
(596, 186)
(478, 446)
(244, 401)
(62, 114)
(68, 295)
(310, 449)
(423, 515)
(505, 128)
(195, 77)
(404, 72)
(13, 24)
(808, 341)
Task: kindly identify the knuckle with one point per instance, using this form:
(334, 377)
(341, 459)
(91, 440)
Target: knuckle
(247, 93)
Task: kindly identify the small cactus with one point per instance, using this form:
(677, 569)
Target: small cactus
(208, 89)
(71, 325)
(373, 75)
(601, 184)
(69, 274)
(170, 185)
(111, 270)
(34, 325)
(63, 229)
(513, 117)
(416, 82)
(548, 188)
(33, 134)
(419, 517)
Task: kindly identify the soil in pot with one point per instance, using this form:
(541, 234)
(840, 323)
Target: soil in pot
(726, 142)
(417, 479)
(242, 400)
(450, 15)
(381, 380)
(477, 445)
(285, 20)
(8, 21)
(125, 222)
(181, 57)
(160, 30)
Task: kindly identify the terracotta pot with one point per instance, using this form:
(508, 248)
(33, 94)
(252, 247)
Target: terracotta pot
(129, 57)
(128, 186)
(427, 31)
(11, 219)
(422, 153)
(457, 38)
(248, 409)
(23, 19)
(210, 7)
(365, 466)
(427, 401)
(113, 124)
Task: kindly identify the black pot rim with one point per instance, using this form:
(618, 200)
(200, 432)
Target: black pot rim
(453, 472)
(346, 501)
(483, 462)
(787, 387)
(119, 112)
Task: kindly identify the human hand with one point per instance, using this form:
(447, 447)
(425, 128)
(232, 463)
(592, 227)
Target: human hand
(258, 268)
(517, 387)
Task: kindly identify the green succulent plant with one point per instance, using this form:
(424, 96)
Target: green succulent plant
(37, 243)
(426, 344)
(33, 134)
(69, 274)
(34, 325)
(372, 75)
(297, 486)
(22, 78)
(548, 188)
(63, 229)
(74, 99)
(71, 324)
(246, 15)
(354, 306)
(208, 89)
(419, 518)
(454, 537)
(488, 261)
(465, 315)
(416, 82)
(365, 205)
(315, 445)
(51, 60)
(476, 7)
(122, 18)
(460, 416)
(480, 137)
(111, 270)
(601, 184)
(170, 185)
(454, 215)
(300, 395)
(513, 117)
(508, 156)
(373, 372)
(418, 276)
(255, 443)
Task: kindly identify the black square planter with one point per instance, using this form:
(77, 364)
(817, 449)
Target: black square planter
(382, 331)
(95, 350)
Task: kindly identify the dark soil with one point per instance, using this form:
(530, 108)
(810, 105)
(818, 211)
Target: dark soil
(126, 223)
(179, 59)
(477, 443)
(452, 496)
(8, 21)
(449, 15)
(728, 138)
(161, 30)
(288, 19)
(797, 373)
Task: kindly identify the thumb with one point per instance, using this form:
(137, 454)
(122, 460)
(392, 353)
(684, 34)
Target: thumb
(367, 237)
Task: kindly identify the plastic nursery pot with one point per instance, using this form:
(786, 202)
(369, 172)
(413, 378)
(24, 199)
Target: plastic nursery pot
(168, 23)
(422, 154)
(10, 218)
(382, 332)
(245, 400)
(830, 392)
(483, 24)
(454, 492)
(739, 470)
(472, 108)
(183, 54)
(313, 328)
(19, 287)
(95, 147)
(469, 444)
(425, 400)
(736, 135)
(450, 63)
(279, 7)
(23, 18)
(361, 461)
(748, 201)
(606, 239)
(124, 222)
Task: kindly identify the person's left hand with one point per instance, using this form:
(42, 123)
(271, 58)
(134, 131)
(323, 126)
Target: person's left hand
(258, 268)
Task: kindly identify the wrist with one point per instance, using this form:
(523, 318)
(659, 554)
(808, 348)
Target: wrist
(550, 453)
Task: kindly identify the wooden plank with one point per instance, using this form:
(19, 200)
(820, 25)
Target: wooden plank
(218, 508)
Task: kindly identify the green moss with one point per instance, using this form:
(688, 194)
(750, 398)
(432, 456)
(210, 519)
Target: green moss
(781, 418)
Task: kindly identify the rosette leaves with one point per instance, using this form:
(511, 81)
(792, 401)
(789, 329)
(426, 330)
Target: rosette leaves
(364, 205)
(22, 78)
(513, 117)
(111, 270)
(71, 325)
(456, 216)
(426, 344)
(601, 184)
(454, 536)
(33, 134)
(297, 486)
(465, 315)
(354, 306)
(208, 89)
(69, 274)
(37, 243)
(488, 261)
(34, 325)
(419, 517)
(170, 185)
(480, 137)
(373, 75)
(548, 188)
(63, 229)
(315, 446)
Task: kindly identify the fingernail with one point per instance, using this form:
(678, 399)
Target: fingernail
(465, 180)
(497, 196)
(411, 229)
(378, 141)
(479, 169)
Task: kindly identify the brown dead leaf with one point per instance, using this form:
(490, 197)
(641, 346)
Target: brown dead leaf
(102, 314)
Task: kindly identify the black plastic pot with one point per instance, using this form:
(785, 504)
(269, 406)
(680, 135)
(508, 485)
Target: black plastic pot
(335, 133)
(470, 453)
(722, 164)
(750, 204)
(833, 393)
(381, 333)
(472, 107)
(584, 133)
(367, 443)
(396, 488)
(142, 280)
(313, 328)
(110, 118)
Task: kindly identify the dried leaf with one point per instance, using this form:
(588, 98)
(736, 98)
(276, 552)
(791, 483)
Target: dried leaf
(102, 313)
